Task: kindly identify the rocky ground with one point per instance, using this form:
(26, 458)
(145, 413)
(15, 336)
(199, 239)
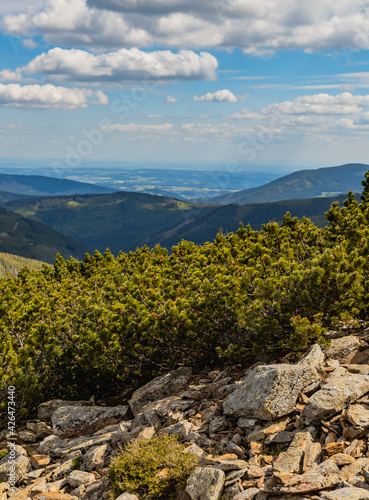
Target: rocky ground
(294, 431)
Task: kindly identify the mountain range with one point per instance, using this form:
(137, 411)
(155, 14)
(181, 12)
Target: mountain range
(322, 182)
(38, 185)
(39, 227)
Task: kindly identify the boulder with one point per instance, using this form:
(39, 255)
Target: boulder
(14, 462)
(27, 436)
(357, 415)
(338, 392)
(342, 349)
(75, 421)
(269, 392)
(181, 429)
(94, 458)
(205, 483)
(78, 477)
(45, 410)
(167, 385)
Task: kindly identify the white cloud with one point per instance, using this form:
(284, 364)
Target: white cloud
(133, 128)
(47, 97)
(170, 100)
(259, 28)
(120, 66)
(345, 103)
(224, 95)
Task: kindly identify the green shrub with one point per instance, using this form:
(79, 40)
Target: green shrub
(154, 468)
(106, 322)
(3, 453)
(75, 463)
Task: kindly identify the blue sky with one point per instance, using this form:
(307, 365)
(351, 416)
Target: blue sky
(236, 82)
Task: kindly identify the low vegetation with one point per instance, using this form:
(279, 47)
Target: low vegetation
(87, 328)
(12, 264)
(153, 469)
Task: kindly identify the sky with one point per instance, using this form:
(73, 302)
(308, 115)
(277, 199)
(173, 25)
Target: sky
(234, 82)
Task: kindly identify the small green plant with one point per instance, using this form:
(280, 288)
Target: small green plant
(153, 469)
(276, 450)
(75, 463)
(3, 453)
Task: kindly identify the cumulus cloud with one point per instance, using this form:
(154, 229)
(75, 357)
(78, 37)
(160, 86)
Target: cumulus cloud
(47, 97)
(170, 100)
(259, 28)
(224, 95)
(120, 66)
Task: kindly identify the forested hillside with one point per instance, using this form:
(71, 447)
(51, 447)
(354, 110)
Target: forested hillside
(33, 240)
(321, 182)
(125, 221)
(120, 221)
(89, 328)
(38, 185)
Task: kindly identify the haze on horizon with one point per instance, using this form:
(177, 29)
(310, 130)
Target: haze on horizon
(273, 83)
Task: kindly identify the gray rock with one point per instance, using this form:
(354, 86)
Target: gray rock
(45, 410)
(205, 483)
(271, 391)
(335, 394)
(341, 349)
(181, 429)
(290, 461)
(75, 421)
(14, 463)
(127, 496)
(194, 450)
(78, 477)
(230, 492)
(247, 423)
(357, 415)
(66, 447)
(159, 388)
(248, 494)
(94, 458)
(27, 436)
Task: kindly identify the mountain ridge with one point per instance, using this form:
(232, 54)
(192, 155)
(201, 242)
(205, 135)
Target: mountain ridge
(302, 184)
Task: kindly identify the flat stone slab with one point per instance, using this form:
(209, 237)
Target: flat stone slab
(205, 483)
(270, 391)
(75, 421)
(357, 415)
(346, 494)
(290, 461)
(337, 393)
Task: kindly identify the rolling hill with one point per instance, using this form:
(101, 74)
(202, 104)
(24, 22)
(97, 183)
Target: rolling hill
(125, 221)
(205, 226)
(322, 182)
(31, 239)
(120, 221)
(38, 185)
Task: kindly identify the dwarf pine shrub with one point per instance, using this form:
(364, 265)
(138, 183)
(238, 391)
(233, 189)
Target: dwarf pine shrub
(153, 469)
